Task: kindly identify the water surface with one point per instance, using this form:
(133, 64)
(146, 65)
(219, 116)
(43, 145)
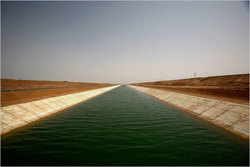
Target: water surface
(122, 127)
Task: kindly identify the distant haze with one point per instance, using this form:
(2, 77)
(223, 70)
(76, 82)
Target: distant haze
(123, 42)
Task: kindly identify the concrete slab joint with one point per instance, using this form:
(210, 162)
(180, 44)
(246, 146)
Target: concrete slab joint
(231, 116)
(18, 115)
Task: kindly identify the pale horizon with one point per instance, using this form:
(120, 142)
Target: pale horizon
(123, 42)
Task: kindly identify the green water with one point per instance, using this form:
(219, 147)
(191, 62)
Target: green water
(122, 127)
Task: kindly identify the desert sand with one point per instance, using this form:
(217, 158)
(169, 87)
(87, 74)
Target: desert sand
(21, 91)
(229, 88)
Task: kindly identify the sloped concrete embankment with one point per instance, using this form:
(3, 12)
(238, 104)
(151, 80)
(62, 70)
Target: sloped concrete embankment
(231, 116)
(18, 115)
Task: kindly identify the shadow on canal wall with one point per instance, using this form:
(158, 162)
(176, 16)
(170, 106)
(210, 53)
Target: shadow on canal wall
(231, 116)
(15, 116)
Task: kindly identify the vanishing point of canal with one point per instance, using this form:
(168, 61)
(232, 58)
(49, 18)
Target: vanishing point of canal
(122, 127)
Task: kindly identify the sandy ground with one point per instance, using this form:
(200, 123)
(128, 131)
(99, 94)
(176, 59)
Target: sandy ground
(230, 88)
(22, 94)
(12, 84)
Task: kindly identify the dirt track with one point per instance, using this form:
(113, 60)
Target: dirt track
(49, 89)
(230, 88)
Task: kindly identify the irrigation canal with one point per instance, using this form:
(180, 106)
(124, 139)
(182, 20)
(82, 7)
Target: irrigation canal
(122, 127)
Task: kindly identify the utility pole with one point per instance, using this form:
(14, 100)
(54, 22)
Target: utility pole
(194, 74)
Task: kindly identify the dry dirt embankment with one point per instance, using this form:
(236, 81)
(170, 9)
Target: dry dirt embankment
(229, 88)
(22, 91)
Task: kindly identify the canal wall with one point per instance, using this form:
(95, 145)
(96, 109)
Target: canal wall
(15, 116)
(231, 116)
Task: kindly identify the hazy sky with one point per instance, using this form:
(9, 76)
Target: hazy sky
(123, 42)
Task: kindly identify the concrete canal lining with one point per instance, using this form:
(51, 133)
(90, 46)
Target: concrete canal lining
(15, 116)
(231, 116)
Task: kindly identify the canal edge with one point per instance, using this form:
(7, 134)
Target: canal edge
(18, 115)
(229, 116)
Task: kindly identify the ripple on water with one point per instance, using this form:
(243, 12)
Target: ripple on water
(122, 127)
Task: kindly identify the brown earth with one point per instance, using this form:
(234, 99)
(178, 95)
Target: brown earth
(14, 85)
(21, 91)
(230, 88)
